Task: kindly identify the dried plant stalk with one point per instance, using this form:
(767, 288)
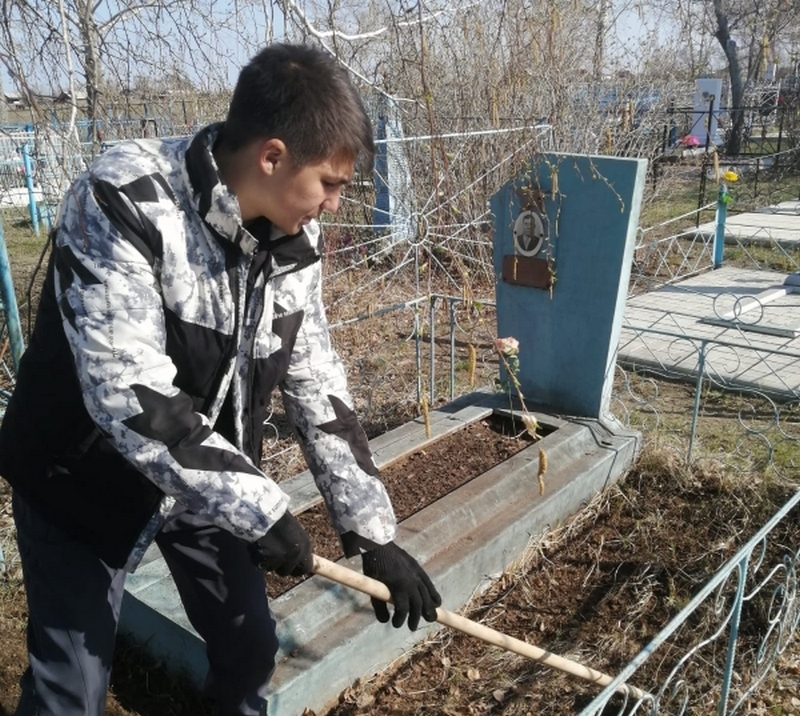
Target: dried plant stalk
(473, 361)
(426, 416)
(542, 469)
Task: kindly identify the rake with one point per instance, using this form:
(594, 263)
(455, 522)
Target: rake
(372, 587)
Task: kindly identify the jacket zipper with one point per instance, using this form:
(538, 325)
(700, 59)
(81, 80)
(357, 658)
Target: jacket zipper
(232, 269)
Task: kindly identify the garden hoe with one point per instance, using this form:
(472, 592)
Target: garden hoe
(372, 587)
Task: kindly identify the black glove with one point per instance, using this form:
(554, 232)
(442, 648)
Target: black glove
(413, 593)
(285, 549)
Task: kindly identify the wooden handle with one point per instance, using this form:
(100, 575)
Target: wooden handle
(374, 588)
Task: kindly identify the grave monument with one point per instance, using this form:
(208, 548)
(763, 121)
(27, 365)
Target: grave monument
(564, 236)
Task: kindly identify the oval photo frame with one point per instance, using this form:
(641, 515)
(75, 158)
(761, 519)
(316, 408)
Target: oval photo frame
(529, 233)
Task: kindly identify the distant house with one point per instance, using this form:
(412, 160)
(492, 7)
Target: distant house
(16, 99)
(13, 100)
(65, 97)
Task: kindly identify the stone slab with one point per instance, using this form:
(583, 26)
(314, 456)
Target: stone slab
(779, 223)
(588, 208)
(666, 329)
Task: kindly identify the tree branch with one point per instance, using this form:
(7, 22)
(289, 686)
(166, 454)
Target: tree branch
(335, 34)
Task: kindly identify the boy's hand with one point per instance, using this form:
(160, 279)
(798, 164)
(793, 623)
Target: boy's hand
(413, 593)
(285, 549)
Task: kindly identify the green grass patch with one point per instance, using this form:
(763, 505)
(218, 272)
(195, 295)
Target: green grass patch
(770, 257)
(24, 249)
(672, 197)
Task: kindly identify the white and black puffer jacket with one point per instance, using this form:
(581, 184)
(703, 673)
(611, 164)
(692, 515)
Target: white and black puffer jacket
(163, 328)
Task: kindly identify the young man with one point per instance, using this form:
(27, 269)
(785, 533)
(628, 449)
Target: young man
(184, 286)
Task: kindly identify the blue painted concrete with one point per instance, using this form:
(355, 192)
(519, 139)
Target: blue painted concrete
(392, 213)
(568, 336)
(29, 170)
(719, 234)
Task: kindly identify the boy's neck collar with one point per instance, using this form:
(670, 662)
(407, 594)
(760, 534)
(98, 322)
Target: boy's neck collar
(213, 201)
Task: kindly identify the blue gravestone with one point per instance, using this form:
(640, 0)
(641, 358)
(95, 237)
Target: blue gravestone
(564, 232)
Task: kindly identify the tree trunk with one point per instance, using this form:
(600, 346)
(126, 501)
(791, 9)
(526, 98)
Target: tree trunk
(736, 105)
(599, 41)
(91, 64)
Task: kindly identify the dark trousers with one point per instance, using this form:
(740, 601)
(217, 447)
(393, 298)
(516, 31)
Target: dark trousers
(74, 601)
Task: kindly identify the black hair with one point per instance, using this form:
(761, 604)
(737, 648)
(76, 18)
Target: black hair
(300, 95)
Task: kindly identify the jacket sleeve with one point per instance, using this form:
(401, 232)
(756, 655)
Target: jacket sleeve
(333, 442)
(109, 289)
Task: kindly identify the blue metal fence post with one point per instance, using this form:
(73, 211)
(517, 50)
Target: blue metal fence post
(719, 233)
(9, 300)
(392, 215)
(733, 638)
(27, 162)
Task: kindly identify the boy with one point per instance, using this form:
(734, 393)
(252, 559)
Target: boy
(184, 285)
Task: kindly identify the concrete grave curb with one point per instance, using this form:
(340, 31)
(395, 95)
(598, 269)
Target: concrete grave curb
(329, 636)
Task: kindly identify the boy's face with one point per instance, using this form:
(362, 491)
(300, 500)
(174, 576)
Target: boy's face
(291, 196)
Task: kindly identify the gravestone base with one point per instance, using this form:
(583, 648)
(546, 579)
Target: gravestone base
(329, 636)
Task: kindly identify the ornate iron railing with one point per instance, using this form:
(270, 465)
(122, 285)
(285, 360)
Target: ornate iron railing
(670, 251)
(754, 387)
(722, 645)
(760, 580)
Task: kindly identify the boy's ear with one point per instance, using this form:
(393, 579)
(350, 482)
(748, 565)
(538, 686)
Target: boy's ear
(271, 153)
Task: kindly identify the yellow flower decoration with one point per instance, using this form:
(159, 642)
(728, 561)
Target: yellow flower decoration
(730, 176)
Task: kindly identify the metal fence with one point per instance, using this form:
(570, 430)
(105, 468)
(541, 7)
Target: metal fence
(725, 388)
(743, 618)
(759, 581)
(671, 250)
(11, 342)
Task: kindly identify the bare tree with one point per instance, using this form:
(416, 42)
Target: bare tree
(600, 39)
(478, 86)
(745, 31)
(729, 47)
(89, 51)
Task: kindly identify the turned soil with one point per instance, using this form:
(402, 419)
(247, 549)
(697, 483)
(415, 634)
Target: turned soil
(415, 481)
(597, 590)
